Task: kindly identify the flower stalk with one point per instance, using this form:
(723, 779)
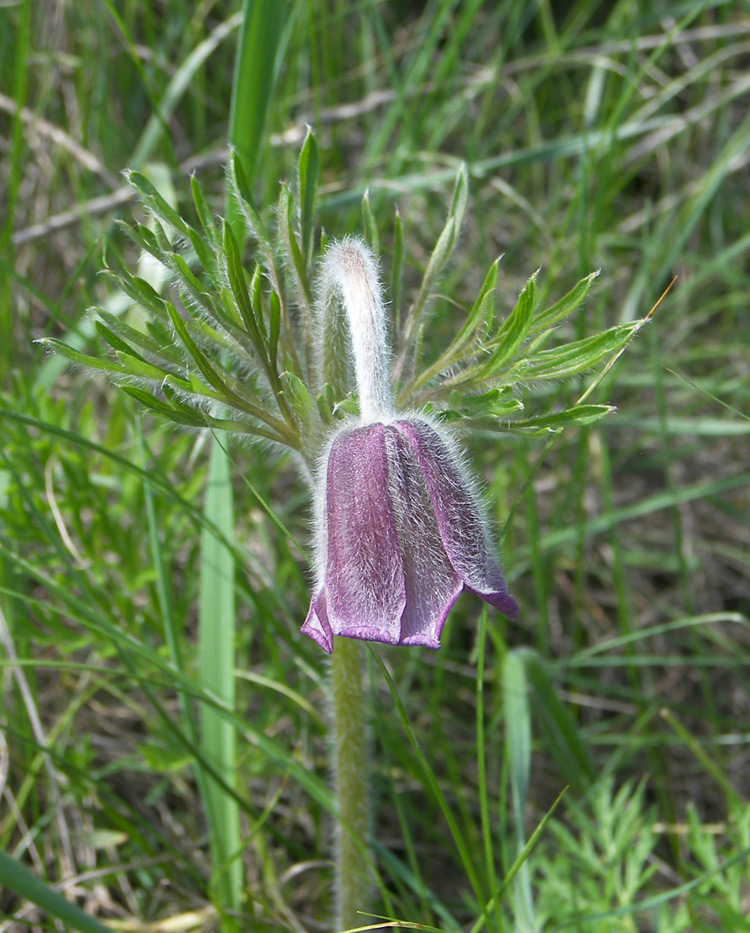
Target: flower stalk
(349, 284)
(400, 535)
(353, 872)
(350, 275)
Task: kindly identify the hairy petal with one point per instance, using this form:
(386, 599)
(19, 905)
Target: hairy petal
(317, 625)
(364, 578)
(432, 585)
(462, 526)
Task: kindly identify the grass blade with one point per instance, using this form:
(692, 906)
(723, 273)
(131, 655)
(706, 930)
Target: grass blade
(254, 78)
(17, 878)
(518, 743)
(216, 658)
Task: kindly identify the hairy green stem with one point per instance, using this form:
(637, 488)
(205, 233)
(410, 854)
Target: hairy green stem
(353, 872)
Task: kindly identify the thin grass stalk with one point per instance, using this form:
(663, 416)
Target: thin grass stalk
(484, 802)
(217, 663)
(251, 97)
(518, 748)
(12, 186)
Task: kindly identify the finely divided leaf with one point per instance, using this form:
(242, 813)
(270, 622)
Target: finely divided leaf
(578, 416)
(513, 331)
(308, 171)
(562, 308)
(576, 357)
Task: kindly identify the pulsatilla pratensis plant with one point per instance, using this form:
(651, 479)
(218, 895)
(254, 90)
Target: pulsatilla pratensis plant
(301, 359)
(255, 352)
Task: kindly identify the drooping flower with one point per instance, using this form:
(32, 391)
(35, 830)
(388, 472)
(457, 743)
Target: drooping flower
(400, 530)
(403, 535)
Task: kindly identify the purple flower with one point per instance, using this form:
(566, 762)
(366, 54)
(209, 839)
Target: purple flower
(401, 535)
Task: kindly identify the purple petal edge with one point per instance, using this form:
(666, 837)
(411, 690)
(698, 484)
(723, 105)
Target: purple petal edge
(424, 640)
(502, 601)
(316, 624)
(481, 564)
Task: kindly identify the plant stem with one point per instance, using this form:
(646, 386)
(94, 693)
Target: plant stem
(353, 873)
(350, 271)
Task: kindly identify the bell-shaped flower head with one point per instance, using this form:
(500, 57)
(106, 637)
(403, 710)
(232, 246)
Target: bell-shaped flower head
(400, 529)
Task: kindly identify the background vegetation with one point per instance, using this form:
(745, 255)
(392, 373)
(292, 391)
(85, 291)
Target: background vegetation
(612, 136)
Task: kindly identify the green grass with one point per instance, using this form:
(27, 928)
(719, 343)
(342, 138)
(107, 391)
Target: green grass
(133, 766)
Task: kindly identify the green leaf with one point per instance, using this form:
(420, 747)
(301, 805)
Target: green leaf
(562, 308)
(496, 421)
(440, 254)
(161, 209)
(17, 878)
(300, 401)
(324, 409)
(513, 331)
(308, 172)
(113, 340)
(209, 372)
(138, 367)
(480, 315)
(274, 328)
(286, 211)
(369, 224)
(75, 356)
(146, 239)
(223, 315)
(204, 212)
(193, 285)
(347, 406)
(204, 252)
(326, 401)
(577, 356)
(495, 403)
(176, 389)
(180, 413)
(163, 239)
(155, 202)
(251, 215)
(156, 405)
(478, 320)
(138, 290)
(578, 415)
(236, 272)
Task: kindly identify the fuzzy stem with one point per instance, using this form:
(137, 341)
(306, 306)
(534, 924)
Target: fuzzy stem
(350, 273)
(353, 874)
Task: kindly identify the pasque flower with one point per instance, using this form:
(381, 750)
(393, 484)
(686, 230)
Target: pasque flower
(400, 530)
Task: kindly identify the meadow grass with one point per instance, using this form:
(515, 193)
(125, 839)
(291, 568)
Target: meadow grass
(142, 784)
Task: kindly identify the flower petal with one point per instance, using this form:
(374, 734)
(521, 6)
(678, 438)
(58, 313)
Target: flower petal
(364, 579)
(432, 585)
(317, 625)
(462, 527)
